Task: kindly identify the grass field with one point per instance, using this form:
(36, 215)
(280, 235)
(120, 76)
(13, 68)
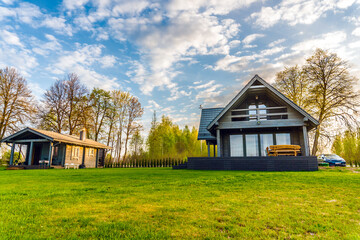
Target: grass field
(163, 203)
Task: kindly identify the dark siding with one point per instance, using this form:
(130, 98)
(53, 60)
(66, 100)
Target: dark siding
(281, 163)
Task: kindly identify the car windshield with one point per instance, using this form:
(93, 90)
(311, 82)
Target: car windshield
(333, 156)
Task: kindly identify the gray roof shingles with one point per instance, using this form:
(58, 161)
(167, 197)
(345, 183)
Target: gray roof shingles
(207, 115)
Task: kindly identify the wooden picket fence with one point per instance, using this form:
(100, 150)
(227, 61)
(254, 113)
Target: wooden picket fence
(146, 163)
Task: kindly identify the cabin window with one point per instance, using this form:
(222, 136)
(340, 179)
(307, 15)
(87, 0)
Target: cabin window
(265, 141)
(75, 152)
(91, 152)
(236, 146)
(252, 145)
(283, 139)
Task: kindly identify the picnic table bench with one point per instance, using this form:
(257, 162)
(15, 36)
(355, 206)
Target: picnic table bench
(71, 165)
(283, 150)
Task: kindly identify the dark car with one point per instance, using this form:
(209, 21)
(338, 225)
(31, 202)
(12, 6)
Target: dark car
(332, 159)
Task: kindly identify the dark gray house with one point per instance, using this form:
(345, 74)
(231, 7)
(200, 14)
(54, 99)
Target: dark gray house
(41, 147)
(257, 117)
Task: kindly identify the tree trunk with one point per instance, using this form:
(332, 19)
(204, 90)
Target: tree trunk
(316, 141)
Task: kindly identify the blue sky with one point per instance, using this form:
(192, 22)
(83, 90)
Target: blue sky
(173, 55)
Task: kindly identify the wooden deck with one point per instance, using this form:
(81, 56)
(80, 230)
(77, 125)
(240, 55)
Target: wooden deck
(24, 167)
(279, 163)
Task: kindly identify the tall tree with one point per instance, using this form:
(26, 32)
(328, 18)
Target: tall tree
(100, 107)
(137, 143)
(65, 105)
(76, 97)
(134, 111)
(52, 115)
(325, 88)
(16, 101)
(332, 94)
(121, 102)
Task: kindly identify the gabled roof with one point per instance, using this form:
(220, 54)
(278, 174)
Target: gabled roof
(207, 115)
(272, 89)
(58, 137)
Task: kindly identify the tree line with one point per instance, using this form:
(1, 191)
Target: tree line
(111, 117)
(347, 145)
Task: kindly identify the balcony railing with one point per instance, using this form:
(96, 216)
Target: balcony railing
(259, 114)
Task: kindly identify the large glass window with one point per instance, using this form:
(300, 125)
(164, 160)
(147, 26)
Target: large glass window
(265, 141)
(236, 146)
(252, 145)
(283, 139)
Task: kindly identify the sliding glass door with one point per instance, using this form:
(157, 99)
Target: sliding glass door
(252, 145)
(256, 144)
(265, 141)
(283, 139)
(236, 146)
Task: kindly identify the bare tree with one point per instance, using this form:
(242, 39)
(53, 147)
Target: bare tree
(134, 111)
(121, 100)
(100, 107)
(53, 113)
(325, 88)
(76, 98)
(332, 94)
(16, 101)
(294, 84)
(65, 105)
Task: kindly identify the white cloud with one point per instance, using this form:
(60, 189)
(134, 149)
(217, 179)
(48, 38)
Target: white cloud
(58, 24)
(82, 62)
(14, 54)
(250, 38)
(356, 32)
(6, 12)
(9, 2)
(209, 92)
(108, 61)
(45, 48)
(71, 4)
(28, 12)
(10, 38)
(187, 34)
(274, 43)
(297, 11)
(330, 40)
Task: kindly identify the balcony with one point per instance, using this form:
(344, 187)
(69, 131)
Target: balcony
(259, 114)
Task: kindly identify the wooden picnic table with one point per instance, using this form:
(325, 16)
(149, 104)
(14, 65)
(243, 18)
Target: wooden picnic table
(283, 150)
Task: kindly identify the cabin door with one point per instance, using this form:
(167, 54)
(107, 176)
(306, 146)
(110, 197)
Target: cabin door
(36, 154)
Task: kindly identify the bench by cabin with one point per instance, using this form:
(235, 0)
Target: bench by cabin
(41, 147)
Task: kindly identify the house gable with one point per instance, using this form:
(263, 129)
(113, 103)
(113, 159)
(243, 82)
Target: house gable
(276, 99)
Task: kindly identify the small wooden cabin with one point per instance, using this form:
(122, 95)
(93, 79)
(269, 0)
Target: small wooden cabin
(258, 117)
(56, 149)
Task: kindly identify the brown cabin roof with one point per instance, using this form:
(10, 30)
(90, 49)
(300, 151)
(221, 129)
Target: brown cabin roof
(64, 138)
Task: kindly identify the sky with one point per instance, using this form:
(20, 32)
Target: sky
(173, 55)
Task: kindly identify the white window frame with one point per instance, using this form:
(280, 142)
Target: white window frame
(75, 152)
(91, 152)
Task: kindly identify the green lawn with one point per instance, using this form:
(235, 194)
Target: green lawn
(163, 203)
